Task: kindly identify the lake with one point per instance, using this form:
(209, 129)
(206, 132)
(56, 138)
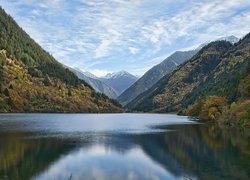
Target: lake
(119, 146)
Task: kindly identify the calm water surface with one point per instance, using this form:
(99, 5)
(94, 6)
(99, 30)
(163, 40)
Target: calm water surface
(119, 146)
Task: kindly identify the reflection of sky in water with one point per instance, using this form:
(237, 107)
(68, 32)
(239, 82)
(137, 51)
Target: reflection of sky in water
(100, 162)
(119, 146)
(75, 123)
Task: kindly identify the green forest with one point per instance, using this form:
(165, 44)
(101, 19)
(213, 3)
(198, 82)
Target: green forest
(213, 85)
(33, 81)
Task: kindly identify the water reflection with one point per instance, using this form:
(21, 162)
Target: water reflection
(99, 162)
(188, 151)
(21, 158)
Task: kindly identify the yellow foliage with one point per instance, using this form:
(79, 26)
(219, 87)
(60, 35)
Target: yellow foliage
(240, 113)
(46, 94)
(194, 110)
(209, 109)
(212, 107)
(215, 108)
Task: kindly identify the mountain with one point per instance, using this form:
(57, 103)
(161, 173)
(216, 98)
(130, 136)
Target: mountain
(119, 81)
(154, 75)
(88, 74)
(33, 81)
(95, 83)
(216, 69)
(157, 72)
(232, 39)
(225, 79)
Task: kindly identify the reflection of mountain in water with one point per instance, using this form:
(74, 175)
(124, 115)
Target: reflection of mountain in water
(202, 151)
(206, 152)
(22, 158)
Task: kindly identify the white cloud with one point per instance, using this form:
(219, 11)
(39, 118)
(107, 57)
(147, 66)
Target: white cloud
(239, 25)
(36, 12)
(88, 33)
(133, 50)
(189, 21)
(51, 4)
(102, 49)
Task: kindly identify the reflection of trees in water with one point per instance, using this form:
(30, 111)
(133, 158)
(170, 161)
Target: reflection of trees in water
(202, 151)
(22, 158)
(207, 152)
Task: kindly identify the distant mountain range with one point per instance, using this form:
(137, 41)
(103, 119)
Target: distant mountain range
(153, 75)
(112, 85)
(217, 69)
(97, 84)
(86, 73)
(119, 81)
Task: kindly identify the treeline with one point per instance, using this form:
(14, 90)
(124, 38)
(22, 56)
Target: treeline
(212, 85)
(33, 81)
(223, 110)
(22, 92)
(20, 46)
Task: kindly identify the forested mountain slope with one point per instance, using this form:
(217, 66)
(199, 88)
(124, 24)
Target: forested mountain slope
(33, 81)
(215, 70)
(225, 79)
(155, 74)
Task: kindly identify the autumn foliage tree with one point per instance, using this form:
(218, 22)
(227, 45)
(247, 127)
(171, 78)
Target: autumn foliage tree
(209, 109)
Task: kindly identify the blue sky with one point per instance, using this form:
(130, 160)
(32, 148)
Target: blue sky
(103, 36)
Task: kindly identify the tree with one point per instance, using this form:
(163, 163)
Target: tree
(6, 92)
(212, 107)
(69, 92)
(208, 109)
(195, 109)
(47, 81)
(244, 87)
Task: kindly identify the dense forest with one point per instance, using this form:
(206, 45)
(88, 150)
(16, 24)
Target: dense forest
(215, 80)
(33, 81)
(168, 93)
(225, 96)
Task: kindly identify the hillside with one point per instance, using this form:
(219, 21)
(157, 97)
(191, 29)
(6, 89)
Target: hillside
(95, 83)
(119, 81)
(33, 81)
(225, 79)
(225, 96)
(212, 71)
(154, 75)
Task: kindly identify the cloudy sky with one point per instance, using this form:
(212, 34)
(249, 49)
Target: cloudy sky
(103, 36)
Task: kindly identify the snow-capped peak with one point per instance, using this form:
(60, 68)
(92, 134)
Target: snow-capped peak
(117, 74)
(232, 39)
